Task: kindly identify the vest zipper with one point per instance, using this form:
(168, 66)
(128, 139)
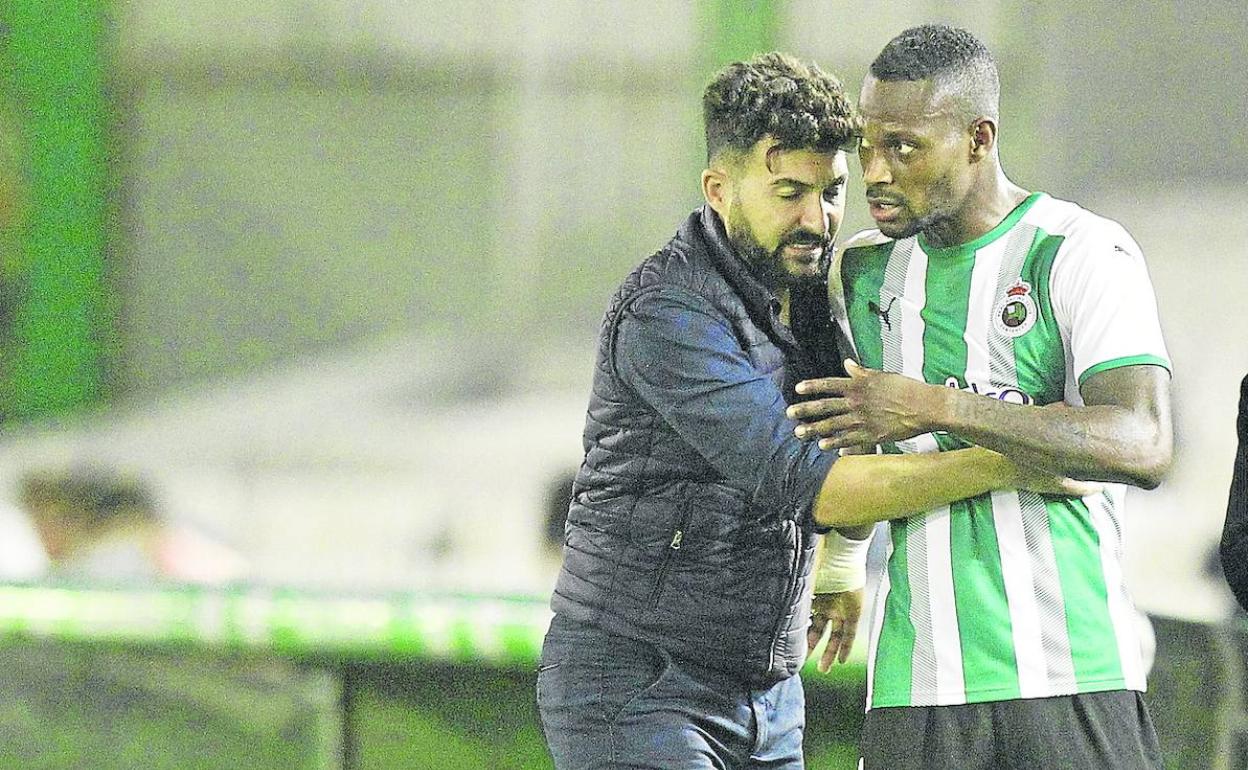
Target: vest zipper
(678, 538)
(785, 608)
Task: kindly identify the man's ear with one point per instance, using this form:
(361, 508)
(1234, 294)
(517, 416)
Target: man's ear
(983, 139)
(716, 188)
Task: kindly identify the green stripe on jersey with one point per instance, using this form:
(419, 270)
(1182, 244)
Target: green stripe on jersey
(1076, 546)
(893, 669)
(862, 274)
(1040, 362)
(948, 287)
(983, 612)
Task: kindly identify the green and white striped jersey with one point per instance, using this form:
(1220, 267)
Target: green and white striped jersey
(1010, 594)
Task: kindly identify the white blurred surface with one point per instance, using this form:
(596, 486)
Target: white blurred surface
(400, 467)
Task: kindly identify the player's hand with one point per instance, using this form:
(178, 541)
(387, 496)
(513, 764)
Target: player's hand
(866, 408)
(836, 617)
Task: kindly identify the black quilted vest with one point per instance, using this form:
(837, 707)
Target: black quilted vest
(732, 592)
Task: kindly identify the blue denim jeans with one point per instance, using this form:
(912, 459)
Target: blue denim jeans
(611, 702)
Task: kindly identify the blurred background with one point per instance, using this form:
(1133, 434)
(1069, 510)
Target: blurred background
(298, 304)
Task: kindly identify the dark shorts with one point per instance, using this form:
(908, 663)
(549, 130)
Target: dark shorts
(1094, 731)
(611, 702)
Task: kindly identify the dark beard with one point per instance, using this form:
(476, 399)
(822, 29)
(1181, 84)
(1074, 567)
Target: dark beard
(768, 266)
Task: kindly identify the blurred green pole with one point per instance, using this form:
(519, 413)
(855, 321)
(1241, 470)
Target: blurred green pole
(61, 323)
(737, 29)
(731, 30)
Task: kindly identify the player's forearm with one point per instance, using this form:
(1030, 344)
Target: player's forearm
(861, 531)
(856, 532)
(863, 489)
(1097, 443)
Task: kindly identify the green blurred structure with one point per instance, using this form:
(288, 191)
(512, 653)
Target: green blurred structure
(258, 678)
(738, 29)
(60, 319)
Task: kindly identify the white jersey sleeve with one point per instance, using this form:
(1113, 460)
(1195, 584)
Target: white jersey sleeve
(1104, 303)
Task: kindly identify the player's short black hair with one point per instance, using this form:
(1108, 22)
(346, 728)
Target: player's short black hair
(961, 65)
(776, 95)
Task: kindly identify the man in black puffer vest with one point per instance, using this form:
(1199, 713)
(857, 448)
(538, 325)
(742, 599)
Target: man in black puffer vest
(684, 602)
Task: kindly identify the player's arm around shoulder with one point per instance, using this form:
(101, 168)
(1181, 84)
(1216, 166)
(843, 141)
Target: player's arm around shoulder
(860, 490)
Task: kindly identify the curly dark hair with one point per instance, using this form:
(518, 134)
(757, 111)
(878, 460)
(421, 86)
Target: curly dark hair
(956, 59)
(774, 94)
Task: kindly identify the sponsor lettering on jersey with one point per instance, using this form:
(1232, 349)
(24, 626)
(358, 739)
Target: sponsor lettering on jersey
(1009, 395)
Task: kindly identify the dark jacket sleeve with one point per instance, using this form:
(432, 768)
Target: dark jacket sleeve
(1235, 533)
(680, 356)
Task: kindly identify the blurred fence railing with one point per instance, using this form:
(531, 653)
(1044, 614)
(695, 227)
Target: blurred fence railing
(268, 677)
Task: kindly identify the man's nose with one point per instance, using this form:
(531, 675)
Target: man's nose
(815, 215)
(875, 169)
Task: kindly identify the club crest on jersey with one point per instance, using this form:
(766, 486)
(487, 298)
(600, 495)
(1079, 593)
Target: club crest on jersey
(1015, 313)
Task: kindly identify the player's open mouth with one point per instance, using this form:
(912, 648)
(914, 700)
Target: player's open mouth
(883, 209)
(806, 252)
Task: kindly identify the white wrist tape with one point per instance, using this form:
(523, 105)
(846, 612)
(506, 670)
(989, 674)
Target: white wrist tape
(844, 564)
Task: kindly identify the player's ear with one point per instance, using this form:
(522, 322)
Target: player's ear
(716, 189)
(983, 138)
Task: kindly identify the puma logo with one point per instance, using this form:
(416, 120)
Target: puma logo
(882, 313)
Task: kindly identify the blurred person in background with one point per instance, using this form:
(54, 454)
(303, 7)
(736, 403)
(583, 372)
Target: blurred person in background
(1003, 635)
(683, 605)
(1234, 547)
(99, 526)
(22, 557)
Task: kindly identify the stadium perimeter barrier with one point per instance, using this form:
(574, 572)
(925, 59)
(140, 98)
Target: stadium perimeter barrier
(273, 678)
